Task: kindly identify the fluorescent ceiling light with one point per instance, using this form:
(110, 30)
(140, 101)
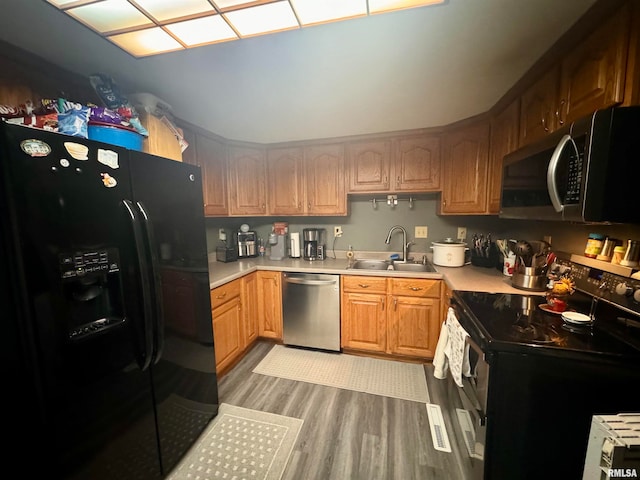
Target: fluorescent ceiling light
(315, 11)
(163, 10)
(202, 30)
(380, 6)
(110, 15)
(146, 42)
(149, 27)
(270, 17)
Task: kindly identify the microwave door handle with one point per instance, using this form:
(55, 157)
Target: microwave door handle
(551, 172)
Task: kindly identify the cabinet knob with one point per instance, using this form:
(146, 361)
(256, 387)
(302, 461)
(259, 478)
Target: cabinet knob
(416, 289)
(363, 285)
(559, 112)
(543, 121)
(382, 302)
(222, 296)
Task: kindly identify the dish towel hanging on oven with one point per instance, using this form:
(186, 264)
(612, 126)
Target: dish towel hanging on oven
(452, 350)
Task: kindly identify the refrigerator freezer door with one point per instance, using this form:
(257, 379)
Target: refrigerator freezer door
(169, 196)
(79, 311)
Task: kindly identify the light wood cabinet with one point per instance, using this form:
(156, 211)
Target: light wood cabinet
(325, 182)
(405, 164)
(590, 77)
(395, 316)
(504, 140)
(228, 322)
(269, 304)
(161, 140)
(247, 181)
(363, 313)
(286, 181)
(210, 154)
(249, 298)
(465, 170)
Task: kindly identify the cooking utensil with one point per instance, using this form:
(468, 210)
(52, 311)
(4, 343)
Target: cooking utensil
(523, 248)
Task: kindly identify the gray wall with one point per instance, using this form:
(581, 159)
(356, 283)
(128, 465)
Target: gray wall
(365, 228)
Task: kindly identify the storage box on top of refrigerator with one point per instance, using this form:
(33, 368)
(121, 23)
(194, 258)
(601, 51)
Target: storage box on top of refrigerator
(98, 368)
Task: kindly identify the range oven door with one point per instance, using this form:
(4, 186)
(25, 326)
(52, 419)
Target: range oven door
(469, 410)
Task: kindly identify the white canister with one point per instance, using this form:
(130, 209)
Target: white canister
(449, 253)
(509, 264)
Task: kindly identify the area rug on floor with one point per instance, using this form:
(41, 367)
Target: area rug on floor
(241, 444)
(388, 378)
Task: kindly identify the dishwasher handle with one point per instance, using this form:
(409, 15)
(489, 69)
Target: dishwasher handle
(305, 281)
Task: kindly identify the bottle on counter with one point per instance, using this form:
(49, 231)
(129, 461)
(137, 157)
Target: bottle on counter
(594, 245)
(618, 255)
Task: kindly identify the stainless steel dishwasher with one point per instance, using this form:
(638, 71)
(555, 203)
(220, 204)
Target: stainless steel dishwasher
(311, 310)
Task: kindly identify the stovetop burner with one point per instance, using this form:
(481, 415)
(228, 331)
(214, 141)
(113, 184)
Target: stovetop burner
(515, 322)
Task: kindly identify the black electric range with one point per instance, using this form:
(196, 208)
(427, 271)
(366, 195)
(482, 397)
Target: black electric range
(542, 379)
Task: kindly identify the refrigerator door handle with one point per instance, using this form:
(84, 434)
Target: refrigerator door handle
(156, 290)
(144, 283)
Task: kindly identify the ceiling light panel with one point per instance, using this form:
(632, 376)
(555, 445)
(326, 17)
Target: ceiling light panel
(319, 11)
(146, 42)
(266, 18)
(202, 30)
(110, 15)
(163, 10)
(380, 6)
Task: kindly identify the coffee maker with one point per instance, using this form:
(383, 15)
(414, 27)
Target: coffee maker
(314, 246)
(247, 243)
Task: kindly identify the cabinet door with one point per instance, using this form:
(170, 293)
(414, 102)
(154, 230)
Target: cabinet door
(369, 165)
(247, 174)
(269, 304)
(212, 158)
(324, 172)
(285, 174)
(227, 333)
(417, 164)
(161, 140)
(250, 308)
(413, 326)
(538, 108)
(593, 74)
(363, 319)
(504, 140)
(466, 154)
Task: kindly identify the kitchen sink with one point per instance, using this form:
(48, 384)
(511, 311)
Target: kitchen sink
(397, 266)
(371, 265)
(413, 267)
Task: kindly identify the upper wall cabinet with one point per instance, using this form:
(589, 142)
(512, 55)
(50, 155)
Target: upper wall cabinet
(404, 164)
(247, 175)
(590, 77)
(504, 140)
(465, 156)
(324, 172)
(286, 181)
(210, 155)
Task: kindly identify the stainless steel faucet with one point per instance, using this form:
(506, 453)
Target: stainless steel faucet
(405, 245)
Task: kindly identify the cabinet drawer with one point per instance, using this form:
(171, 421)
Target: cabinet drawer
(224, 293)
(414, 288)
(352, 283)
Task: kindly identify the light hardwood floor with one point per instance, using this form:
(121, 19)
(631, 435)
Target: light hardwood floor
(346, 434)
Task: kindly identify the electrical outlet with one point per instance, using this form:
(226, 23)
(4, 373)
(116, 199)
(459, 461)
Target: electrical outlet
(462, 233)
(222, 235)
(421, 232)
(337, 231)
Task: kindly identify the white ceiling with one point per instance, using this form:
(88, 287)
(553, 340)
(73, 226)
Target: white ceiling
(410, 69)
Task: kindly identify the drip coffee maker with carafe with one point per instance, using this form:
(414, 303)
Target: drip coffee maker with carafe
(314, 243)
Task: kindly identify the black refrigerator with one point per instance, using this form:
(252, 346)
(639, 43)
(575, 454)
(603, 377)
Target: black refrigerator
(108, 364)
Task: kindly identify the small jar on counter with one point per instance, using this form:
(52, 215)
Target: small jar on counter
(594, 245)
(618, 255)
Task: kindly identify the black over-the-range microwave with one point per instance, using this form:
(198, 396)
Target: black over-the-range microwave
(588, 171)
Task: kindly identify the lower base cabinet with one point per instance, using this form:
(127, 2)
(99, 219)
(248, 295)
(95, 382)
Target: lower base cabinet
(269, 304)
(226, 312)
(398, 316)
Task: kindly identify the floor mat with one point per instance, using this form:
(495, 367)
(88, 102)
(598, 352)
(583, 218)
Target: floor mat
(241, 444)
(388, 378)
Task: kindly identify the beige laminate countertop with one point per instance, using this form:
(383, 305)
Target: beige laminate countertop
(469, 277)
